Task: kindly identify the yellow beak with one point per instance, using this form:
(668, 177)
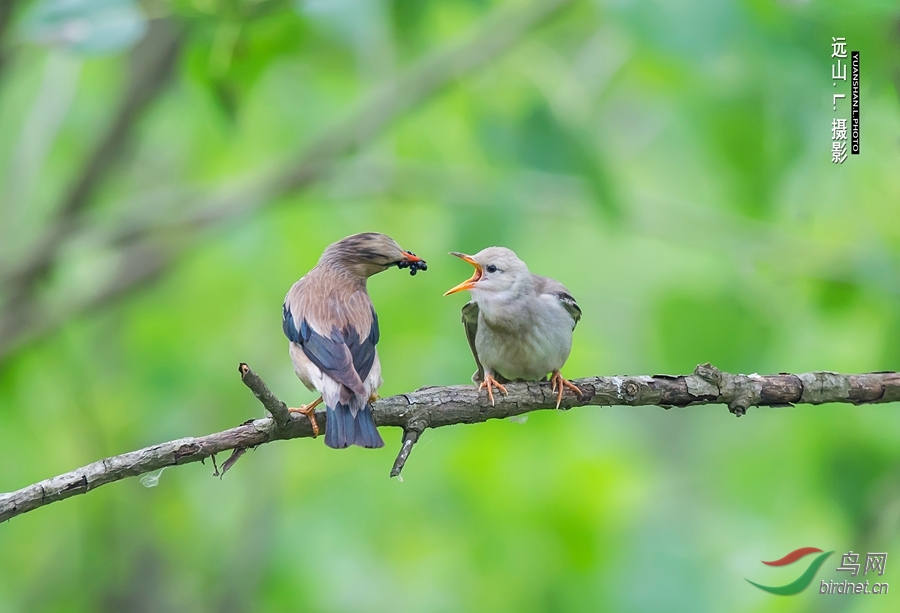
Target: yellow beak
(470, 283)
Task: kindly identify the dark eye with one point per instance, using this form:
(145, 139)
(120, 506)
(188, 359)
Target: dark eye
(491, 268)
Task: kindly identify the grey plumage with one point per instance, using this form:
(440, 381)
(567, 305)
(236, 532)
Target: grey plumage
(332, 327)
(518, 324)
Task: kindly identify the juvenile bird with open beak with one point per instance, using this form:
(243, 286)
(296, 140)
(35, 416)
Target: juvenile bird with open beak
(519, 325)
(332, 327)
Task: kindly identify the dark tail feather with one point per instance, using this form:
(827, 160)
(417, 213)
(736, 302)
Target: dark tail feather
(344, 430)
(339, 431)
(366, 433)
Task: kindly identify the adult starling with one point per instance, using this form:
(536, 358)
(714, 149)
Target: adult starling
(332, 327)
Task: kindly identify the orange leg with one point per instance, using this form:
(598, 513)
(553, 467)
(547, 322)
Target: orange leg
(310, 411)
(557, 382)
(489, 382)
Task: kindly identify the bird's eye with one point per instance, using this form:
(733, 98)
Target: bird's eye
(491, 268)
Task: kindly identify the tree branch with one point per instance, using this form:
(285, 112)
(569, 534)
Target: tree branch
(24, 322)
(434, 407)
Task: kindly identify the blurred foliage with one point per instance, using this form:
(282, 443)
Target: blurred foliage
(669, 162)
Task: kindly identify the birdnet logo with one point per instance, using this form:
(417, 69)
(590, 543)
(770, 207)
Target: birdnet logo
(800, 583)
(874, 562)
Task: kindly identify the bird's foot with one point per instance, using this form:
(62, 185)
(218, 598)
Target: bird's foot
(490, 382)
(373, 397)
(310, 411)
(558, 382)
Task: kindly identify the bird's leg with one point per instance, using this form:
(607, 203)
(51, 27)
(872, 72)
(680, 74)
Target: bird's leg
(373, 397)
(557, 382)
(489, 382)
(310, 411)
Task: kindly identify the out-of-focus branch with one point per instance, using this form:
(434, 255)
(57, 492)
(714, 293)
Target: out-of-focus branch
(494, 36)
(23, 317)
(434, 407)
(137, 264)
(152, 64)
(413, 87)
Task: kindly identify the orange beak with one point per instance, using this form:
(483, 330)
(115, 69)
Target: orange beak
(410, 257)
(470, 283)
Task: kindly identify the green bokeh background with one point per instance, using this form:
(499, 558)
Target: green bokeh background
(668, 162)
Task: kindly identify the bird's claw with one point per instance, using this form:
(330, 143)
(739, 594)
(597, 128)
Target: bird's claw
(558, 382)
(490, 382)
(310, 411)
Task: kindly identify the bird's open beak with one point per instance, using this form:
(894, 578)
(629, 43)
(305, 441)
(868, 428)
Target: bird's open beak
(470, 283)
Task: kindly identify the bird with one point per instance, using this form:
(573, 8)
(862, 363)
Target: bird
(519, 325)
(332, 329)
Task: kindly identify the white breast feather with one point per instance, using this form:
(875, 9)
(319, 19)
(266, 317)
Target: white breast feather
(541, 346)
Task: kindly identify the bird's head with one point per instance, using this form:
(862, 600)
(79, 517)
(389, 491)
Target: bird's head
(369, 253)
(498, 271)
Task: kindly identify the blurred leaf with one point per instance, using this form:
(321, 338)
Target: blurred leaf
(85, 26)
(359, 22)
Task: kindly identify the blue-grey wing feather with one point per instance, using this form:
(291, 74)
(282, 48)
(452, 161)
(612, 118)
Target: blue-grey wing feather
(363, 351)
(340, 355)
(288, 325)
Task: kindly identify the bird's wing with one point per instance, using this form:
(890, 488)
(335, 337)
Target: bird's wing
(569, 304)
(337, 335)
(546, 285)
(470, 321)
